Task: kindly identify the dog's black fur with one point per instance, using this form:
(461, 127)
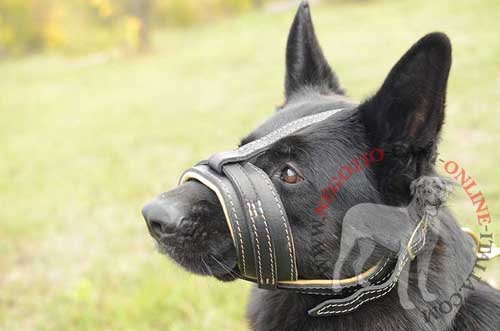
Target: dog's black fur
(404, 118)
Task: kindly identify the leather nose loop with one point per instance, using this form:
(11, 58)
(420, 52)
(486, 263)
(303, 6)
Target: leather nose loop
(162, 218)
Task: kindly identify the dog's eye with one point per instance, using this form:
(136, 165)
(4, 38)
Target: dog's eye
(290, 176)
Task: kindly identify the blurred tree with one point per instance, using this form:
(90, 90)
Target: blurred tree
(87, 25)
(138, 14)
(257, 3)
(144, 11)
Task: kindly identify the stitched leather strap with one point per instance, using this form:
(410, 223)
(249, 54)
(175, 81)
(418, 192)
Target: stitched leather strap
(233, 211)
(272, 210)
(257, 221)
(330, 287)
(262, 236)
(353, 292)
(256, 147)
(273, 216)
(265, 262)
(372, 292)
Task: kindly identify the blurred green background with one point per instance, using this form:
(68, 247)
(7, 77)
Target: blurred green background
(103, 103)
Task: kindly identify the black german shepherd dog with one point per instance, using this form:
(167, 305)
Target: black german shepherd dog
(403, 118)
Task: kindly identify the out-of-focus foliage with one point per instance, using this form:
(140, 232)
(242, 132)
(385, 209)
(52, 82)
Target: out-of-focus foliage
(182, 12)
(86, 25)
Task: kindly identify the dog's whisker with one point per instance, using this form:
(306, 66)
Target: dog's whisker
(207, 267)
(225, 267)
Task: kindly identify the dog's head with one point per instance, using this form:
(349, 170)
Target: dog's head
(403, 119)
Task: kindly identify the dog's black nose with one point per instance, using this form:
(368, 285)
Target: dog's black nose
(162, 218)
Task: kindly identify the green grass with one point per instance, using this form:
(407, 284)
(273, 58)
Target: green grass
(84, 144)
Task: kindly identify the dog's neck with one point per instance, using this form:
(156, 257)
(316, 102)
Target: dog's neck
(287, 310)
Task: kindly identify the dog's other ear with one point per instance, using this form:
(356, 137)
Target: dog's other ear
(408, 110)
(306, 65)
(405, 116)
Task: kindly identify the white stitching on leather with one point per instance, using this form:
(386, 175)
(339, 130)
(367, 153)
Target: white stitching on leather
(271, 259)
(322, 310)
(318, 287)
(254, 228)
(381, 281)
(268, 237)
(362, 302)
(242, 248)
(422, 238)
(295, 125)
(384, 279)
(381, 268)
(384, 290)
(251, 204)
(401, 266)
(256, 238)
(271, 188)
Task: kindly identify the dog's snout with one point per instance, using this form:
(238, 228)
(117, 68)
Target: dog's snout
(173, 211)
(162, 218)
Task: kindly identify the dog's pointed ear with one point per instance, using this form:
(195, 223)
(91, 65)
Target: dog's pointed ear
(408, 110)
(405, 116)
(306, 65)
